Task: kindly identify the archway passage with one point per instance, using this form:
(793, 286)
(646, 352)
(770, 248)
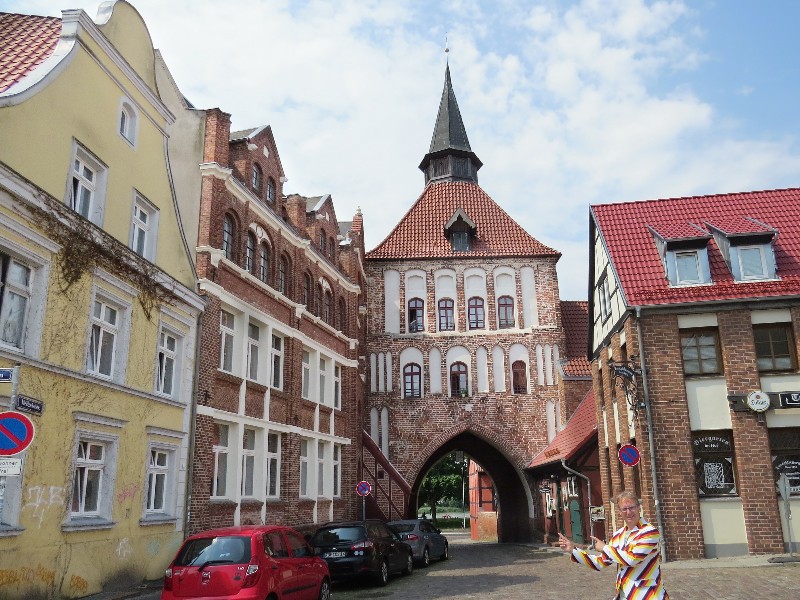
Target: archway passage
(512, 496)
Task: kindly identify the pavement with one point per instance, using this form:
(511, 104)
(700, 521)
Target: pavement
(524, 571)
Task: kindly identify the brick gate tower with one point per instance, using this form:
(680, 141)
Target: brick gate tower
(464, 334)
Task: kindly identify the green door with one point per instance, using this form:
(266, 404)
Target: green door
(575, 521)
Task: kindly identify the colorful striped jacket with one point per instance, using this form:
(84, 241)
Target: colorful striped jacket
(637, 554)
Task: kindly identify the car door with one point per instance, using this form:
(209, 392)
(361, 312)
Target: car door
(392, 544)
(428, 538)
(303, 557)
(285, 571)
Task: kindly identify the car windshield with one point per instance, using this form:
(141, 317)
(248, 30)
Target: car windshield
(216, 550)
(334, 535)
(402, 527)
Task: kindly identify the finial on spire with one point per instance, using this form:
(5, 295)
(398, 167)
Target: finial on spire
(446, 48)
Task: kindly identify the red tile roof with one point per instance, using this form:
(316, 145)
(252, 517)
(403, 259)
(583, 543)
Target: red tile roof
(633, 252)
(420, 233)
(680, 231)
(25, 42)
(579, 431)
(575, 320)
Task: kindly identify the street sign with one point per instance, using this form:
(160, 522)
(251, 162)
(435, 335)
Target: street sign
(6, 374)
(363, 488)
(16, 433)
(29, 405)
(629, 455)
(9, 467)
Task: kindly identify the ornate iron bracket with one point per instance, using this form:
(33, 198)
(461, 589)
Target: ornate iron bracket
(625, 376)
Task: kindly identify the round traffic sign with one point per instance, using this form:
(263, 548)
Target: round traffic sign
(16, 433)
(363, 488)
(629, 455)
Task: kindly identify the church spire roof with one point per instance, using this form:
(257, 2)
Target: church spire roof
(450, 157)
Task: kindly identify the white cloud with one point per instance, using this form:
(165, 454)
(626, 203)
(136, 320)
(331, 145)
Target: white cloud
(565, 103)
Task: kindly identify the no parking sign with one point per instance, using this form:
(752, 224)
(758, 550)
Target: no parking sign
(629, 455)
(16, 433)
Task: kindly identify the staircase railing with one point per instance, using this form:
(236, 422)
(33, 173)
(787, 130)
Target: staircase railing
(390, 491)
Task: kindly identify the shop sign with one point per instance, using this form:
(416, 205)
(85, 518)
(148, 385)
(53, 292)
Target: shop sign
(789, 399)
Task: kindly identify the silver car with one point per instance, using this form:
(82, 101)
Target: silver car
(425, 539)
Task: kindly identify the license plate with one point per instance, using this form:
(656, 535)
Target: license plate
(335, 554)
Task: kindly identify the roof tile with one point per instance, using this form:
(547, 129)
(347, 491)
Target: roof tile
(579, 430)
(575, 320)
(25, 42)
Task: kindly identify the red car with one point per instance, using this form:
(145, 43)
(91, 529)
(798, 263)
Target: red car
(247, 563)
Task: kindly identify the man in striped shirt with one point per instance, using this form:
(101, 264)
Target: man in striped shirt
(634, 548)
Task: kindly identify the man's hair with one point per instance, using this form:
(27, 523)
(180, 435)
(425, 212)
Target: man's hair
(626, 495)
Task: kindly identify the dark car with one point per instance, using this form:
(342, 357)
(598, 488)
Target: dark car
(247, 563)
(357, 548)
(426, 540)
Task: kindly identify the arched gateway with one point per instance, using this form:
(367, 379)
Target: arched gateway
(465, 343)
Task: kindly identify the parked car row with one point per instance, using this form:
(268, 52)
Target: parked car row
(271, 561)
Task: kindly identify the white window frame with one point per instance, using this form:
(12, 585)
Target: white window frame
(7, 288)
(305, 386)
(686, 253)
(164, 355)
(276, 362)
(128, 122)
(253, 354)
(337, 470)
(81, 157)
(764, 274)
(221, 452)
(272, 465)
(323, 378)
(227, 337)
(248, 476)
(321, 452)
(119, 330)
(337, 386)
(102, 515)
(304, 462)
(144, 227)
(170, 476)
(605, 298)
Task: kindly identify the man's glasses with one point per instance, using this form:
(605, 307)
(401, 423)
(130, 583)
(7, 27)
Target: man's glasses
(628, 508)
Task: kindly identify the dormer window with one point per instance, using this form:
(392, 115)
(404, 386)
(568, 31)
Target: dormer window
(687, 268)
(683, 248)
(460, 241)
(747, 247)
(460, 230)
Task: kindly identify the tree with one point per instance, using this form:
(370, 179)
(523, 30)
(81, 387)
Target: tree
(444, 480)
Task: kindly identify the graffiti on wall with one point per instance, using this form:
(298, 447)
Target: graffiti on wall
(41, 498)
(127, 492)
(78, 584)
(27, 575)
(124, 548)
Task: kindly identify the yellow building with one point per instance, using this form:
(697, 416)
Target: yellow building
(97, 306)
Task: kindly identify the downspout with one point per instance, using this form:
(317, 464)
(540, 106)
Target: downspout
(649, 414)
(588, 492)
(187, 495)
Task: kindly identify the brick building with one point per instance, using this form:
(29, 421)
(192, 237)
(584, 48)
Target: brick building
(279, 392)
(694, 342)
(465, 335)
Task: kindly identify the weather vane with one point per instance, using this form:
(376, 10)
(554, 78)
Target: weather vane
(446, 47)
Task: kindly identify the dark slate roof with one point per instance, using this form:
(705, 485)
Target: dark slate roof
(242, 134)
(420, 233)
(449, 131)
(575, 320)
(626, 231)
(26, 41)
(578, 432)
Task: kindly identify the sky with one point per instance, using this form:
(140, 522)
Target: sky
(568, 103)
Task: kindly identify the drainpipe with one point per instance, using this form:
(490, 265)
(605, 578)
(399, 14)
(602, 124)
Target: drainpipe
(588, 492)
(649, 414)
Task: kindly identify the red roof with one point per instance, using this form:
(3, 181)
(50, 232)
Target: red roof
(575, 320)
(420, 233)
(633, 252)
(579, 431)
(25, 42)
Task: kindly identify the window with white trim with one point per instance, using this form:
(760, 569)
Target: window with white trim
(219, 483)
(253, 336)
(687, 267)
(306, 380)
(144, 228)
(86, 194)
(128, 122)
(158, 481)
(337, 386)
(321, 451)
(273, 465)
(605, 298)
(248, 462)
(752, 262)
(93, 477)
(103, 339)
(167, 360)
(226, 332)
(277, 362)
(337, 470)
(250, 253)
(15, 295)
(304, 468)
(323, 374)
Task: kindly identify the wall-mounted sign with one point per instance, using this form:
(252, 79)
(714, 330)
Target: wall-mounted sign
(789, 399)
(29, 405)
(758, 401)
(598, 513)
(6, 374)
(10, 467)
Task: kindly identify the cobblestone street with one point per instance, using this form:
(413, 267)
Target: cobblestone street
(512, 572)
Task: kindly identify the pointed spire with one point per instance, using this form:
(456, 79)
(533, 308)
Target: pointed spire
(450, 157)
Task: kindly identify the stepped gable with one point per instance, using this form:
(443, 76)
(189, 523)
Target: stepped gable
(577, 433)
(626, 229)
(575, 320)
(26, 41)
(421, 232)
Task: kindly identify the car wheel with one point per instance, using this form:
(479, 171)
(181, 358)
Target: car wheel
(325, 590)
(446, 554)
(409, 564)
(382, 576)
(426, 557)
